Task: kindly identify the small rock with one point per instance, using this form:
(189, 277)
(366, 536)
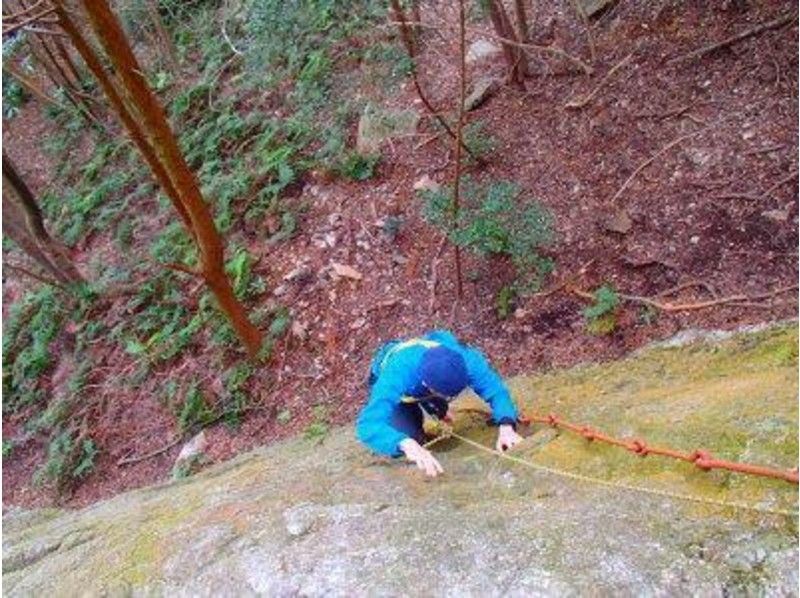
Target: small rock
(300, 273)
(279, 290)
(299, 520)
(520, 313)
(481, 49)
(619, 222)
(592, 7)
(425, 183)
(694, 240)
(698, 157)
(345, 271)
(299, 330)
(399, 259)
(191, 456)
(776, 215)
(481, 91)
(359, 323)
(330, 239)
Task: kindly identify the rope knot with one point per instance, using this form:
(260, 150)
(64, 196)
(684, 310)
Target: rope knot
(552, 419)
(702, 459)
(588, 433)
(638, 446)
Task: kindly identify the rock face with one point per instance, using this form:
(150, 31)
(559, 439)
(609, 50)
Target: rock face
(481, 49)
(299, 518)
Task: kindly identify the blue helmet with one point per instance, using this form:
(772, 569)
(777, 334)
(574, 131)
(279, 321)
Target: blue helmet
(444, 371)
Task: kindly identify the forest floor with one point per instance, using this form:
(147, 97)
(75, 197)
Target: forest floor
(710, 212)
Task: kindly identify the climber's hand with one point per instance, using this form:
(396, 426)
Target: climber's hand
(421, 456)
(507, 438)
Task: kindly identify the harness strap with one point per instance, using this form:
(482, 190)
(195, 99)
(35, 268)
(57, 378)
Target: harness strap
(413, 342)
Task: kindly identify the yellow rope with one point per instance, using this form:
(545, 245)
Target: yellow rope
(621, 485)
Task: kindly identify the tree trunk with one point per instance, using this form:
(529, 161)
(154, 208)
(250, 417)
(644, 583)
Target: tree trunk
(24, 224)
(147, 111)
(119, 106)
(522, 21)
(515, 57)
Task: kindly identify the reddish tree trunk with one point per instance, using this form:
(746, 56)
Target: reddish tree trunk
(118, 104)
(150, 114)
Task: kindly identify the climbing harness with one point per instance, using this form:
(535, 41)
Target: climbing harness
(706, 464)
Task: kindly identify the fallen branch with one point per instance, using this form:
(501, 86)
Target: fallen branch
(33, 275)
(792, 175)
(567, 281)
(382, 305)
(765, 150)
(774, 24)
(155, 453)
(687, 285)
(32, 19)
(182, 268)
(739, 300)
(758, 196)
(647, 162)
(29, 85)
(581, 102)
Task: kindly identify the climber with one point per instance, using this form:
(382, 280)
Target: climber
(422, 375)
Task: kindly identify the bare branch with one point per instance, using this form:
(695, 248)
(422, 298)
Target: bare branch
(581, 102)
(647, 162)
(774, 24)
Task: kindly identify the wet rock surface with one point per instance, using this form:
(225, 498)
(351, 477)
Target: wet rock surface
(300, 518)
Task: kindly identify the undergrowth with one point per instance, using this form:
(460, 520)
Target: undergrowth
(493, 219)
(251, 126)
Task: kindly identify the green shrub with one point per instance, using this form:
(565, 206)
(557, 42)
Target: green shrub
(505, 301)
(66, 460)
(14, 96)
(33, 324)
(195, 412)
(479, 142)
(357, 167)
(319, 427)
(601, 316)
(235, 400)
(491, 220)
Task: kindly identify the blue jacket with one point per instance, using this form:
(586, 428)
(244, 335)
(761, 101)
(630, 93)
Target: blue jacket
(395, 372)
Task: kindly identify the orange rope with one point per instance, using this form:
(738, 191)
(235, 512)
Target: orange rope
(702, 459)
